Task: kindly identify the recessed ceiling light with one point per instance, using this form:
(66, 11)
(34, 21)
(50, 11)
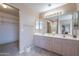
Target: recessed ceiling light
(4, 6)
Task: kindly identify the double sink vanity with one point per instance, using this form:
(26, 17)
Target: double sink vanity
(63, 25)
(67, 46)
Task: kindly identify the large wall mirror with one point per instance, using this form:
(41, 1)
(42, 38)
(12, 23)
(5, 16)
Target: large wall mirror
(61, 24)
(75, 24)
(52, 25)
(65, 24)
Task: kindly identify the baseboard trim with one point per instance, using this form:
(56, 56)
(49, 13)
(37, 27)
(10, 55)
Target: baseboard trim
(10, 42)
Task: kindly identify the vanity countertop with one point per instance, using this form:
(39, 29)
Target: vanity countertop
(56, 36)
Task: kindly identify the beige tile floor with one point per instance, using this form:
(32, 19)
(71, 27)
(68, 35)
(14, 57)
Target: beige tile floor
(12, 50)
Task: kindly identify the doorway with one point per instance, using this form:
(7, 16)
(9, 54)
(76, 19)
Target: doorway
(9, 30)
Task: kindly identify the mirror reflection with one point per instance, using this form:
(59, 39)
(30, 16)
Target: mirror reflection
(65, 24)
(61, 24)
(52, 26)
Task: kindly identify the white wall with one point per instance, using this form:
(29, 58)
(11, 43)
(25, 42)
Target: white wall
(77, 6)
(27, 22)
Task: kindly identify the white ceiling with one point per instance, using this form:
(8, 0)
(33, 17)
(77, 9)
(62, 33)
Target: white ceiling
(41, 7)
(38, 7)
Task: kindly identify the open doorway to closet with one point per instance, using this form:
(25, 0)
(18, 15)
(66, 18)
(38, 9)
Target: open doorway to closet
(9, 30)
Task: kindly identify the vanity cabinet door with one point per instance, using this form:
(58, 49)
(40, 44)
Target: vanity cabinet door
(43, 42)
(57, 46)
(47, 45)
(37, 40)
(51, 44)
(69, 47)
(77, 48)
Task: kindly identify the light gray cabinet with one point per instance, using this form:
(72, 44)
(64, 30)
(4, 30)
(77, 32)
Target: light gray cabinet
(46, 43)
(78, 48)
(69, 47)
(42, 42)
(57, 45)
(37, 41)
(51, 43)
(66, 47)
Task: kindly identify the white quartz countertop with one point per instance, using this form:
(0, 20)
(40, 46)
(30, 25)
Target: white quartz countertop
(56, 36)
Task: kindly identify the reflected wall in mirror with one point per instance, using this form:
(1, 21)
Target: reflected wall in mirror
(75, 24)
(65, 24)
(39, 26)
(52, 25)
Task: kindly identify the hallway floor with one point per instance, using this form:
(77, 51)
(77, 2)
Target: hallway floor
(36, 51)
(12, 50)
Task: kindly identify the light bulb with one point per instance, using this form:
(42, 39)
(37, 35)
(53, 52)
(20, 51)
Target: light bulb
(4, 6)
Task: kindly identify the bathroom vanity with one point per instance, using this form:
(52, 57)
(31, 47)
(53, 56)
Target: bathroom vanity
(61, 21)
(67, 46)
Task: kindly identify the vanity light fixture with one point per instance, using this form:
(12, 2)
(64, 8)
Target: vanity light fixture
(54, 13)
(4, 6)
